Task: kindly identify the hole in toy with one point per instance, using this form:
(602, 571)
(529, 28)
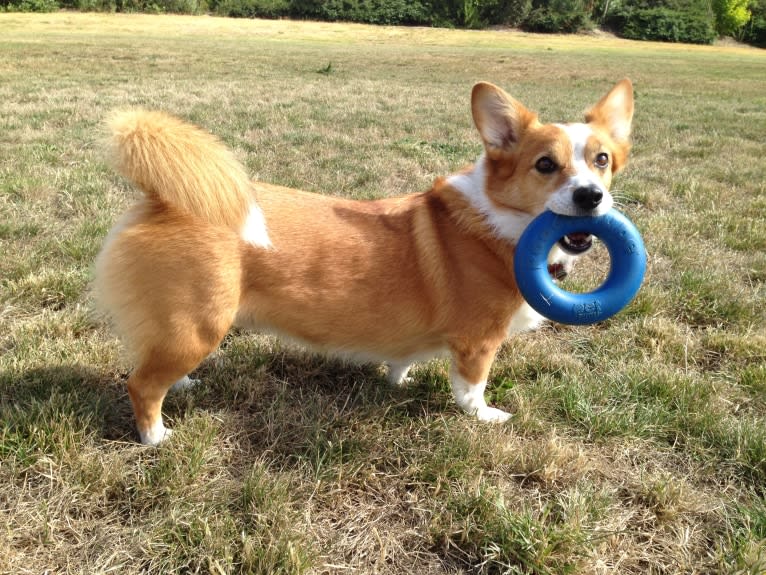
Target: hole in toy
(589, 270)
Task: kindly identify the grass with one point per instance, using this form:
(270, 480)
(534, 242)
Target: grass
(637, 446)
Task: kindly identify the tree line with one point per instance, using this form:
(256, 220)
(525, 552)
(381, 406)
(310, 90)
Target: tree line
(691, 21)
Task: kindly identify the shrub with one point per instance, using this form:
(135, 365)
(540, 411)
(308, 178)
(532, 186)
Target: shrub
(29, 6)
(93, 5)
(475, 13)
(448, 13)
(150, 6)
(730, 16)
(565, 16)
(678, 21)
(506, 12)
(369, 11)
(391, 12)
(182, 6)
(754, 32)
(251, 8)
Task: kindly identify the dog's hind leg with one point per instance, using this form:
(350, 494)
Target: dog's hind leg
(171, 287)
(169, 332)
(161, 367)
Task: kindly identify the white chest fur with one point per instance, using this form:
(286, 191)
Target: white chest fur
(525, 319)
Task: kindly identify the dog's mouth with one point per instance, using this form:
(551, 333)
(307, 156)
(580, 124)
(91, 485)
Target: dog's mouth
(576, 243)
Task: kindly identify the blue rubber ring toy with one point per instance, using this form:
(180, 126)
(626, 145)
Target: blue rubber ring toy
(626, 272)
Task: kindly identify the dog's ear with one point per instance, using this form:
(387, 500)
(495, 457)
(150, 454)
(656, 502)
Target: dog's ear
(500, 119)
(614, 112)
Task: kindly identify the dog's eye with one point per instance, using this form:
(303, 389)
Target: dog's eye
(602, 160)
(545, 165)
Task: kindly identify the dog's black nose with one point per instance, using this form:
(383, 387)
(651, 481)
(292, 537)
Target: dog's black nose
(587, 197)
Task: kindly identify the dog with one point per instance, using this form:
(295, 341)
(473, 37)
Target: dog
(396, 280)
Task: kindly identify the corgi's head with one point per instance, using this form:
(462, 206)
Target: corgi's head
(529, 167)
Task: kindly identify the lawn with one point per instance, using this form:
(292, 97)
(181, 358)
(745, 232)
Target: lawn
(637, 446)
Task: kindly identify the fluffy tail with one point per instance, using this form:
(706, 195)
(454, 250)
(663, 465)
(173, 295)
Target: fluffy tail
(181, 165)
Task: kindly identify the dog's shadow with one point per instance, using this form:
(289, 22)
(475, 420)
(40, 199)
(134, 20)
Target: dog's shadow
(289, 394)
(61, 397)
(286, 402)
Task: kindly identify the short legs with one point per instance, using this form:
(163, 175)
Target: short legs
(468, 376)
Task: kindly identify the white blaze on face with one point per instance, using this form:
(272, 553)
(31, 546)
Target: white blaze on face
(562, 201)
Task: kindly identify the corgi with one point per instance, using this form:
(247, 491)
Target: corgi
(396, 280)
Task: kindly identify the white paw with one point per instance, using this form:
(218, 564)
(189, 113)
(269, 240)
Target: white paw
(155, 434)
(185, 383)
(400, 382)
(397, 374)
(470, 397)
(492, 415)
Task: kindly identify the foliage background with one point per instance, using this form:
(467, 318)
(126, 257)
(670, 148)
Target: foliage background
(690, 21)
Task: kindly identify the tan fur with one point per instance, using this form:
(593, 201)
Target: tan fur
(180, 164)
(613, 115)
(389, 279)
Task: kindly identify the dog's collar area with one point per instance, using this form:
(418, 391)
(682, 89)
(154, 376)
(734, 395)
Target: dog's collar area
(576, 243)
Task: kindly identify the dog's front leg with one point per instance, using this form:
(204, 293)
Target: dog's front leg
(468, 375)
